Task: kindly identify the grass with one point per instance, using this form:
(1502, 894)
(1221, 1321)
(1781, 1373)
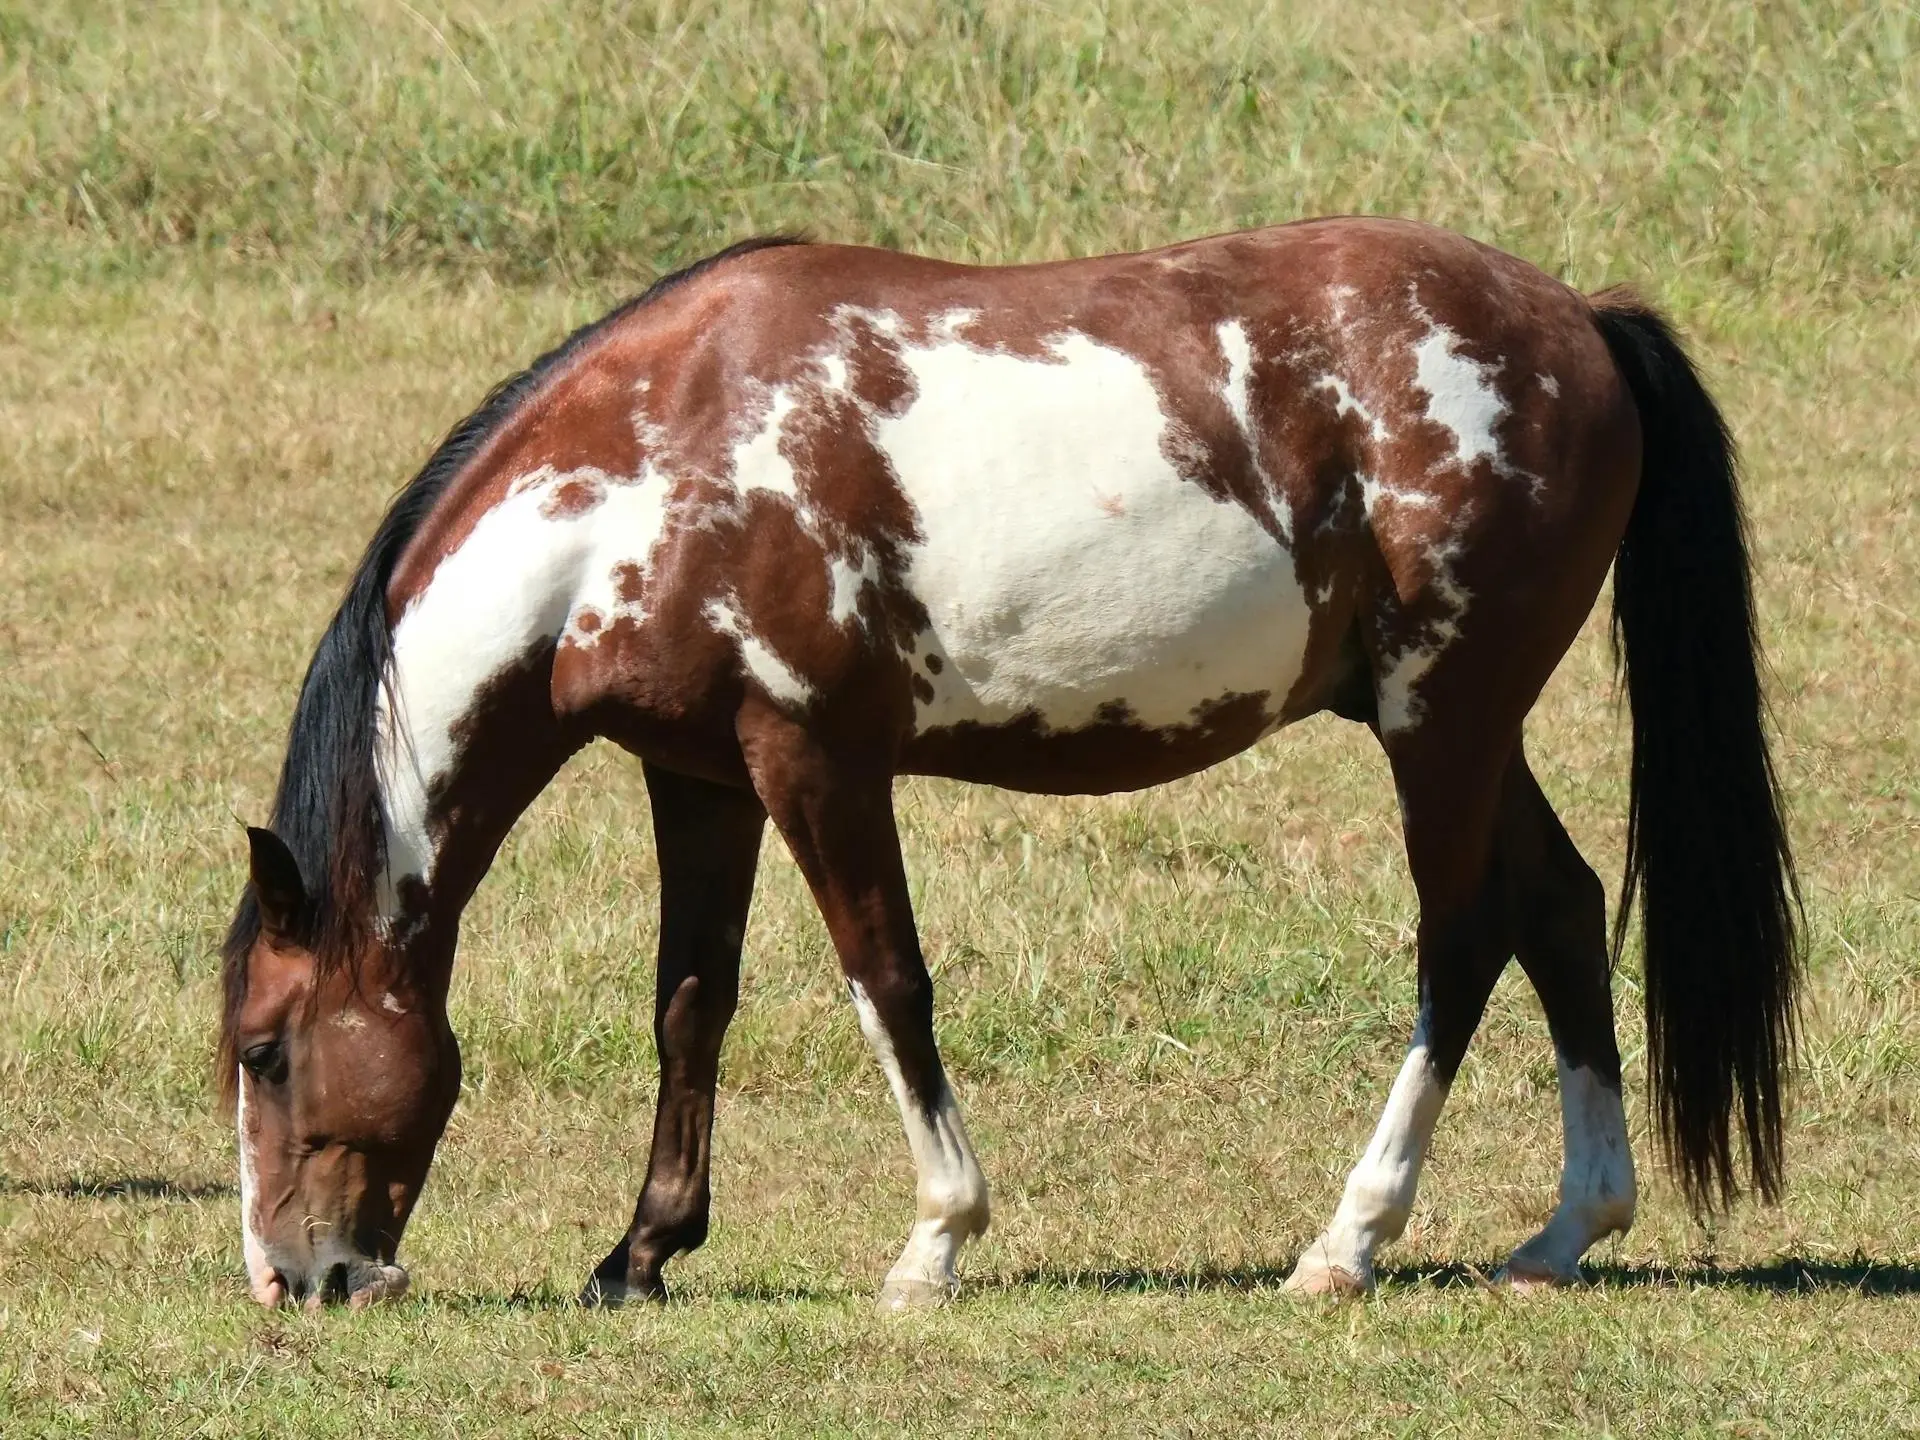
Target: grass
(258, 256)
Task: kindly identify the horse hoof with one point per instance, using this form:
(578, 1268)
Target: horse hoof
(604, 1293)
(1320, 1279)
(1524, 1272)
(391, 1284)
(901, 1294)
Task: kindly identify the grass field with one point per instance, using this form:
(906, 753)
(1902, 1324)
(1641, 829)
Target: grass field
(255, 257)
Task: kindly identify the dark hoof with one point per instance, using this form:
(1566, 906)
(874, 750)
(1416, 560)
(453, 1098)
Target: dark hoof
(605, 1292)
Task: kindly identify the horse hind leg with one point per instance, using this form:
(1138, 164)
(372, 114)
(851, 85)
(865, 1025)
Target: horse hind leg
(1449, 781)
(1560, 933)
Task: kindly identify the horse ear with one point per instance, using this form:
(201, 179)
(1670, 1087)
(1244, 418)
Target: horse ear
(277, 885)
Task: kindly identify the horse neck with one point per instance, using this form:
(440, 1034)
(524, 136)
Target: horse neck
(468, 740)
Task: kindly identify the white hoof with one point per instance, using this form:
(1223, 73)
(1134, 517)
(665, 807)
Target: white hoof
(1315, 1276)
(902, 1293)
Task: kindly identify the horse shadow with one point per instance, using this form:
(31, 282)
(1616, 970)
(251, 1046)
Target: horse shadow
(1789, 1275)
(125, 1187)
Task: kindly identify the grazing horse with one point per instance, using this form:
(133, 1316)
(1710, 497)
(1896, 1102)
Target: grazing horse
(803, 518)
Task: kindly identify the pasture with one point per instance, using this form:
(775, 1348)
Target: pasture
(255, 257)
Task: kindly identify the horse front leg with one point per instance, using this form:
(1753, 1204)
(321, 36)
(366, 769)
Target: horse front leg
(708, 840)
(837, 818)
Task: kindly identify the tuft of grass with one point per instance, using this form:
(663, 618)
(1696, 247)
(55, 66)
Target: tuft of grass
(258, 256)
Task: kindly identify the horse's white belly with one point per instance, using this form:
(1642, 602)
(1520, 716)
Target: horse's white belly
(1065, 566)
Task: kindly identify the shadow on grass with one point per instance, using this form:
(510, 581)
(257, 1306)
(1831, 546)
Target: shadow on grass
(542, 1300)
(1791, 1275)
(132, 1187)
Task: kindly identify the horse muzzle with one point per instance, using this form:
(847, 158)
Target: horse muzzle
(354, 1281)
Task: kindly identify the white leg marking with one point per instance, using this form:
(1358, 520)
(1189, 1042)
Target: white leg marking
(1597, 1191)
(1064, 561)
(1380, 1190)
(260, 1279)
(950, 1192)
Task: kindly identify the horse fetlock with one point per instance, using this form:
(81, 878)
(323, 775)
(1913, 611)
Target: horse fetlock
(957, 1202)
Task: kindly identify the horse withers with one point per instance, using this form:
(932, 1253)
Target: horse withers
(803, 518)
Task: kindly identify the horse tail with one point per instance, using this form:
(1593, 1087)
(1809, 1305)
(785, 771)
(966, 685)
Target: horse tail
(1707, 851)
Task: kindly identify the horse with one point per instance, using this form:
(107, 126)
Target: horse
(802, 518)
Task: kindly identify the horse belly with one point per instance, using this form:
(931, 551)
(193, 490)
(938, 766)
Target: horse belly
(1073, 580)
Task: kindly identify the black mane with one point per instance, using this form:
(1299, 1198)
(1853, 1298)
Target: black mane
(327, 808)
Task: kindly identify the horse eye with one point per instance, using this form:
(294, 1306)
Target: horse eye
(267, 1061)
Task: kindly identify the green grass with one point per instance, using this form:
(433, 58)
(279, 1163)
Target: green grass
(258, 256)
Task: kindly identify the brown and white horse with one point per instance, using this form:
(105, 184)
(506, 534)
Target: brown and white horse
(803, 518)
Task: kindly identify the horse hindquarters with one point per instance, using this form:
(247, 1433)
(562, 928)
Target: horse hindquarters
(1490, 568)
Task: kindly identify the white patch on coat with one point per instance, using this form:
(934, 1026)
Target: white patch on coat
(1238, 393)
(947, 325)
(387, 1002)
(1345, 403)
(516, 582)
(1373, 495)
(1380, 1190)
(835, 365)
(1550, 385)
(847, 578)
(1239, 388)
(950, 1192)
(772, 674)
(259, 1269)
(1064, 564)
(1597, 1190)
(1461, 397)
(757, 461)
(1399, 708)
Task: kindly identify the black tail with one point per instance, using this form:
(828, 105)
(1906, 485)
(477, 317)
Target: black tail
(1707, 850)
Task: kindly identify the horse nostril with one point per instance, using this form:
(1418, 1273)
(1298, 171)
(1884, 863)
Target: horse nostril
(333, 1285)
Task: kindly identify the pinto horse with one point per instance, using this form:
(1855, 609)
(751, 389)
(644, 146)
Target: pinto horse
(803, 518)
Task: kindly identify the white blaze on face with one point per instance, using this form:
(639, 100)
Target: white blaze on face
(519, 580)
(1064, 563)
(259, 1271)
(950, 1192)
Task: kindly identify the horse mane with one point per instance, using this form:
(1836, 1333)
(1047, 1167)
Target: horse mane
(327, 806)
